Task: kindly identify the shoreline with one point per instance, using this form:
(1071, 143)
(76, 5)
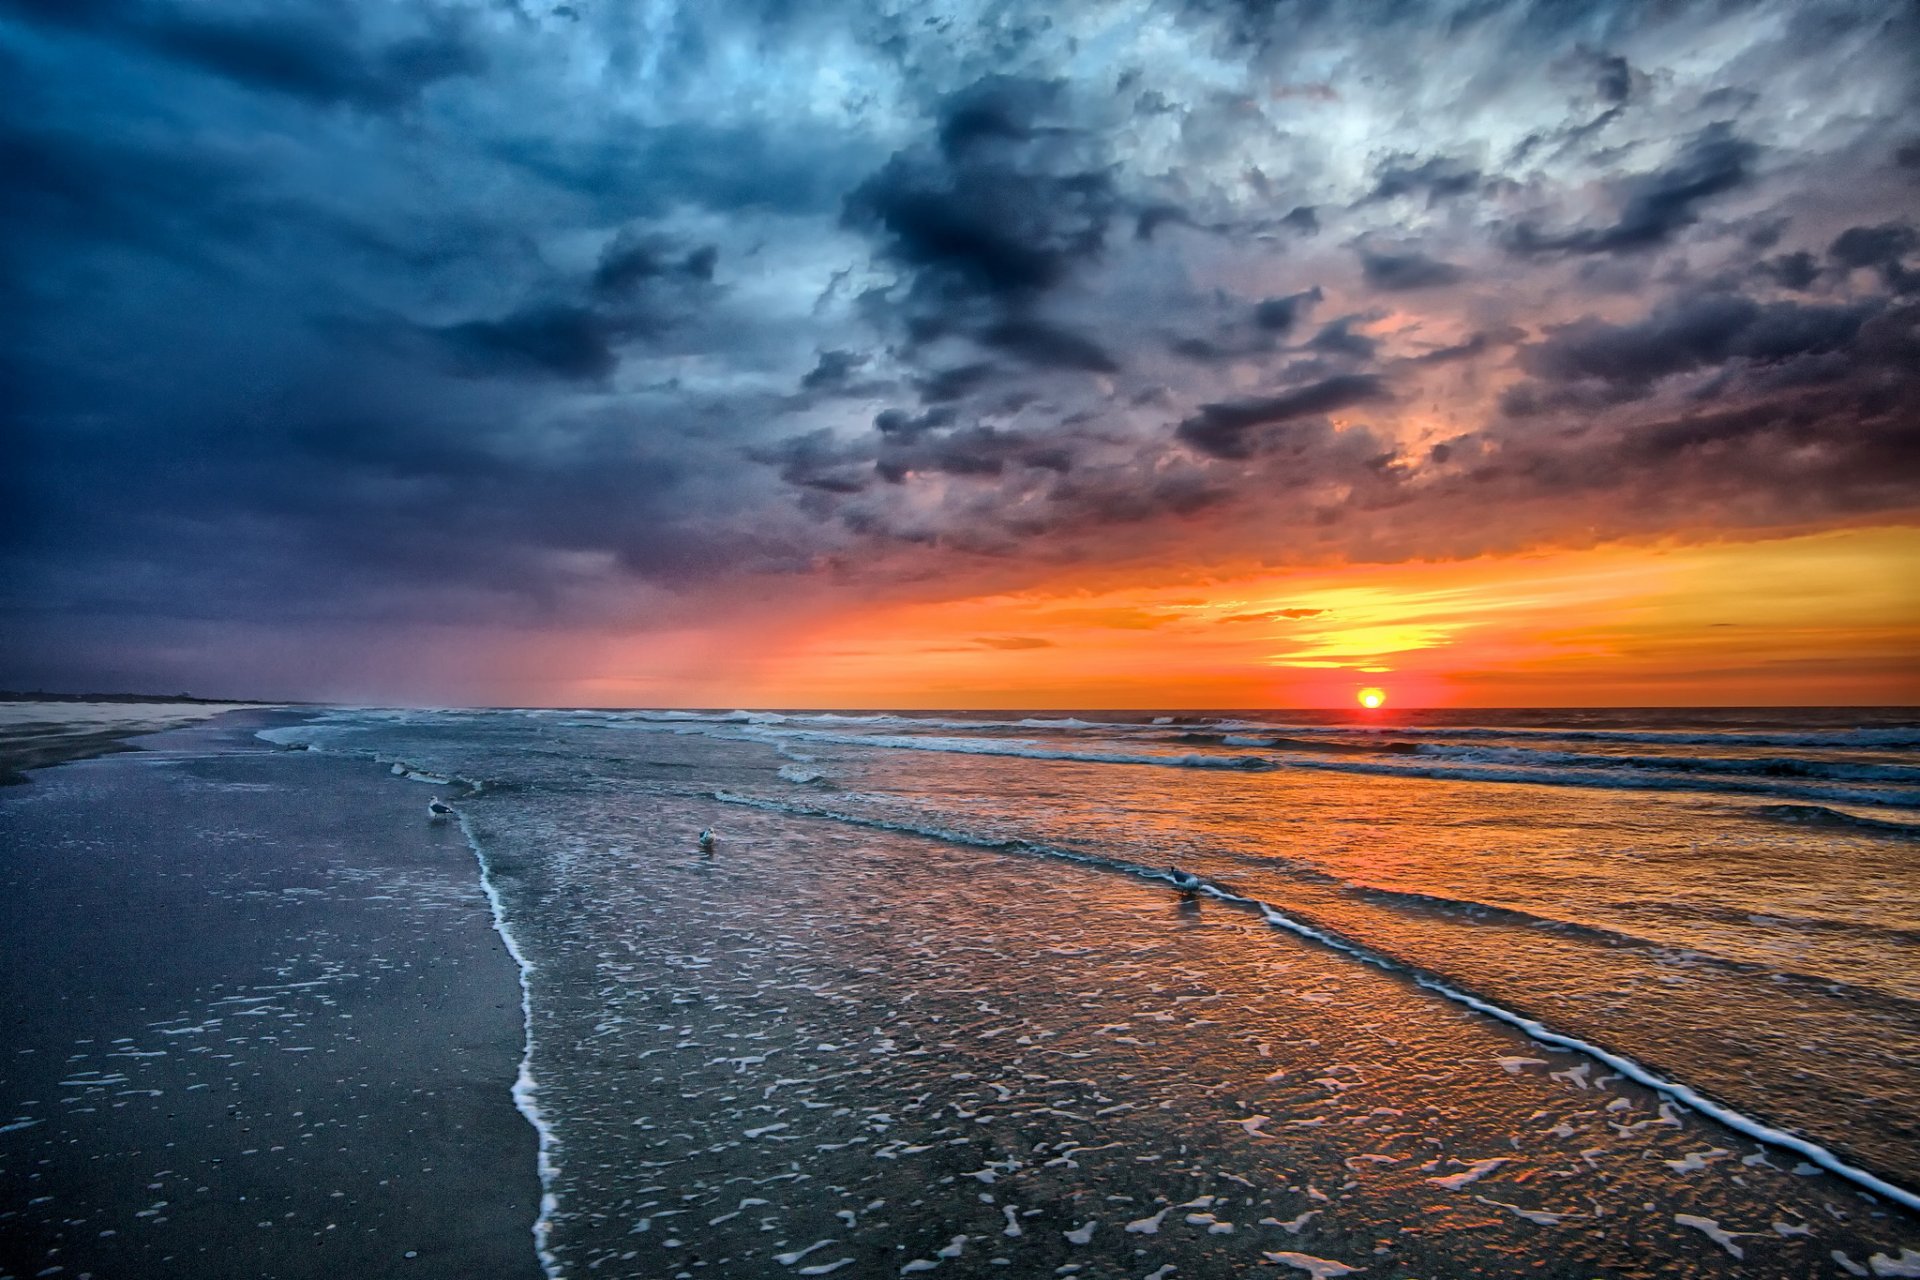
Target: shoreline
(526, 1089)
(260, 1023)
(39, 731)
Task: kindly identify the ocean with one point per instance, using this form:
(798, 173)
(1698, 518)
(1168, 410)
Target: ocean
(1417, 994)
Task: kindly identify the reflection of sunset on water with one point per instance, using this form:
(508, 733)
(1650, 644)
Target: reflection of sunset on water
(948, 951)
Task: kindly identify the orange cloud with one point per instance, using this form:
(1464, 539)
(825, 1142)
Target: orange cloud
(1829, 618)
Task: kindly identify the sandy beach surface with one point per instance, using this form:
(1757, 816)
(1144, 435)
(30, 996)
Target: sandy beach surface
(34, 733)
(254, 1022)
(258, 1023)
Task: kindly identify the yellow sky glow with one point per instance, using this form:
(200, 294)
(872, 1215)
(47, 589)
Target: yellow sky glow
(1828, 618)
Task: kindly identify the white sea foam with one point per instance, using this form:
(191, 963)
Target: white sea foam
(1149, 1226)
(1474, 1172)
(1907, 1264)
(1627, 1067)
(1462, 771)
(1764, 766)
(1318, 1268)
(1023, 748)
(1539, 1217)
(1713, 1231)
(1891, 738)
(526, 1089)
(1440, 763)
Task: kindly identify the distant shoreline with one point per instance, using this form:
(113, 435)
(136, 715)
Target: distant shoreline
(20, 695)
(37, 743)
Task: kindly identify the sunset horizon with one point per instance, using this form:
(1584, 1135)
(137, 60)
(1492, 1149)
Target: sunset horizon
(1537, 354)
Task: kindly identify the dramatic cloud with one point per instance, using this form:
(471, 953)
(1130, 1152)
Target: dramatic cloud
(1393, 272)
(1656, 205)
(1005, 203)
(1224, 429)
(322, 56)
(1280, 315)
(330, 319)
(1693, 333)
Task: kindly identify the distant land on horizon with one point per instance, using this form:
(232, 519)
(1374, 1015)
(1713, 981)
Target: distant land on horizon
(20, 695)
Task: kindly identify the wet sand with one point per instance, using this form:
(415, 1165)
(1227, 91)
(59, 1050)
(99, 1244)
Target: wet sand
(254, 1022)
(828, 1049)
(36, 733)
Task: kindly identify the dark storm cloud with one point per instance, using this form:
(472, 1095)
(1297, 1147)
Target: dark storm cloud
(1304, 219)
(1797, 270)
(1436, 178)
(1811, 450)
(1656, 206)
(631, 259)
(898, 424)
(1047, 344)
(1687, 336)
(1882, 248)
(818, 461)
(1395, 272)
(499, 317)
(1227, 429)
(834, 370)
(977, 450)
(309, 51)
(1007, 203)
(1337, 338)
(1278, 315)
(1477, 344)
(1613, 76)
(554, 341)
(68, 185)
(1253, 334)
(956, 382)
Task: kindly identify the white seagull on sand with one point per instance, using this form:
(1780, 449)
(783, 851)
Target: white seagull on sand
(706, 840)
(1185, 881)
(438, 810)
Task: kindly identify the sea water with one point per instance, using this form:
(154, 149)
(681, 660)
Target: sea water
(1568, 993)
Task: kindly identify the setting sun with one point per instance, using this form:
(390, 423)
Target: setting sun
(1372, 699)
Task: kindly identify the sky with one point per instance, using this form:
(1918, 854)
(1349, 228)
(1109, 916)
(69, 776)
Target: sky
(877, 353)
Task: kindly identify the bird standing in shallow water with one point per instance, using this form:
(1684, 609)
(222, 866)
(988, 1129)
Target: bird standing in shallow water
(438, 810)
(706, 842)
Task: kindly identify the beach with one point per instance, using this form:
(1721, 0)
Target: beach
(933, 1003)
(36, 732)
(936, 1003)
(258, 1024)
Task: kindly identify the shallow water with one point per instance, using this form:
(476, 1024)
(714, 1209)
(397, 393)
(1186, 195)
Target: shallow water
(927, 1007)
(253, 1026)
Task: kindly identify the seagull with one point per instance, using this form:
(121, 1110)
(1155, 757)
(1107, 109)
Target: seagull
(706, 841)
(438, 810)
(1185, 881)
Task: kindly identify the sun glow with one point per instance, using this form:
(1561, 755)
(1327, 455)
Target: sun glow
(1826, 619)
(1373, 699)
